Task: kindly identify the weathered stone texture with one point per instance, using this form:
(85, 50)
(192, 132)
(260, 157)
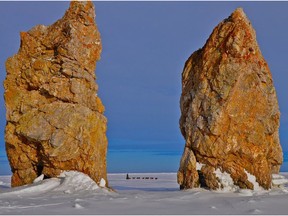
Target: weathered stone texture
(230, 114)
(54, 117)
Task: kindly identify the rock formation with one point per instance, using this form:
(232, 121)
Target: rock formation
(230, 114)
(54, 117)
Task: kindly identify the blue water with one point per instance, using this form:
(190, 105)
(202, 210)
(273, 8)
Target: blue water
(152, 161)
(143, 161)
(124, 161)
(284, 167)
(4, 164)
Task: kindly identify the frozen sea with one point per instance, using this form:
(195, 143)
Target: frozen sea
(76, 193)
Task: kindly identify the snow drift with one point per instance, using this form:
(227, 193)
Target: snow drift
(67, 182)
(75, 193)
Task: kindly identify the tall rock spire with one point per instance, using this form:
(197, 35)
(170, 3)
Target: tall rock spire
(54, 117)
(229, 111)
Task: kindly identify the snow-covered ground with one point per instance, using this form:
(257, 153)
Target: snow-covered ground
(75, 193)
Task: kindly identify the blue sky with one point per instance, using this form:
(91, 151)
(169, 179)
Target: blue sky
(145, 46)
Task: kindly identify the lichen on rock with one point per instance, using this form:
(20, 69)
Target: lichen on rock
(229, 110)
(54, 117)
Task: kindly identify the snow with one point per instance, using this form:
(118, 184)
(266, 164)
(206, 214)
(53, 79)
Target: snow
(102, 183)
(34, 189)
(279, 180)
(39, 178)
(199, 165)
(75, 193)
(226, 181)
(78, 206)
(73, 181)
(252, 179)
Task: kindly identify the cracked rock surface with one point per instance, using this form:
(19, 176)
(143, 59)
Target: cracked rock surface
(54, 117)
(229, 110)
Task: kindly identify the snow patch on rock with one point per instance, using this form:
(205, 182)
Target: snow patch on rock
(252, 179)
(102, 183)
(39, 178)
(199, 165)
(226, 182)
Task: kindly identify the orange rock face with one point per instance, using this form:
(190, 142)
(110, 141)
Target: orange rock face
(54, 117)
(230, 114)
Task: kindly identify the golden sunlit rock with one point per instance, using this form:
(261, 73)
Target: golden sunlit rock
(54, 117)
(230, 114)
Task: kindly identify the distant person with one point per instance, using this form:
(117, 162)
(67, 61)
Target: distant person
(127, 177)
